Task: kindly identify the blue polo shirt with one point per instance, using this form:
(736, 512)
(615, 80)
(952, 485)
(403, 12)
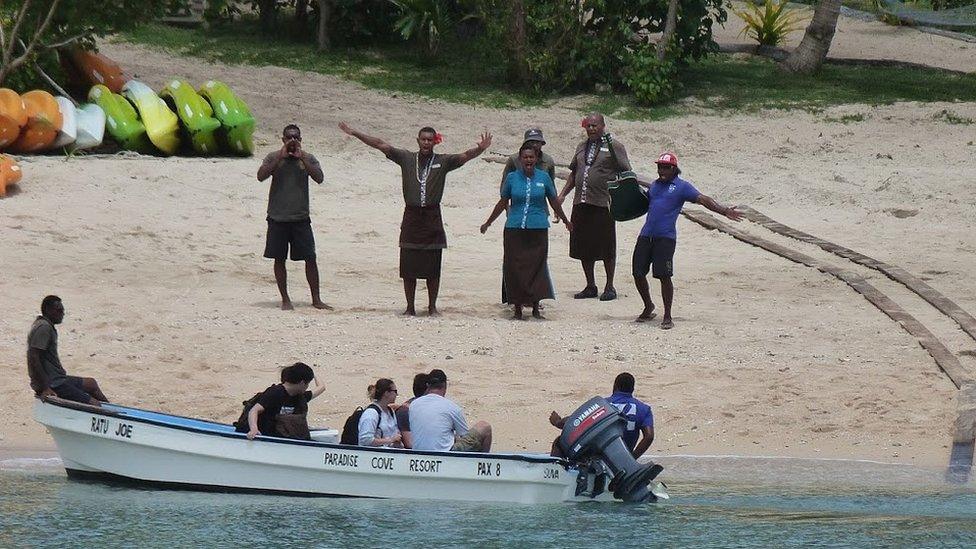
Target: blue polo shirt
(637, 414)
(529, 207)
(664, 202)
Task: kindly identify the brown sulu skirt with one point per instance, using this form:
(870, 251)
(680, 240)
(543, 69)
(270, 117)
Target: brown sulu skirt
(422, 242)
(594, 236)
(525, 267)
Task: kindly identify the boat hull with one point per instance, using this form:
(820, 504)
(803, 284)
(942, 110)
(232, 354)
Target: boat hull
(118, 446)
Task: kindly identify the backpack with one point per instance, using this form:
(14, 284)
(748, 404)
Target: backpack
(241, 424)
(350, 429)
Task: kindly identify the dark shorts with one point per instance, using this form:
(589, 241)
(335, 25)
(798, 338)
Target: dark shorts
(72, 389)
(296, 234)
(594, 236)
(656, 252)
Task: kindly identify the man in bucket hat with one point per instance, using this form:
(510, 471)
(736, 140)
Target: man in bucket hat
(655, 246)
(533, 136)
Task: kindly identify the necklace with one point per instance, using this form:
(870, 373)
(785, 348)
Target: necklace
(422, 176)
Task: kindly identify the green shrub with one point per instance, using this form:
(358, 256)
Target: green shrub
(650, 80)
(770, 22)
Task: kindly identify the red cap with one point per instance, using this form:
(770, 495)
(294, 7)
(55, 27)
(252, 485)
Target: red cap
(667, 158)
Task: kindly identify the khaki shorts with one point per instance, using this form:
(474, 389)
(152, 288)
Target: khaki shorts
(470, 442)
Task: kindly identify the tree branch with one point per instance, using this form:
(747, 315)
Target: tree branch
(18, 61)
(64, 43)
(8, 48)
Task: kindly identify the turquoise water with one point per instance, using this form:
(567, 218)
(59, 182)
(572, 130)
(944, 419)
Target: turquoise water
(716, 502)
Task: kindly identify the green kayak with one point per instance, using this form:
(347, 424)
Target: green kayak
(197, 122)
(236, 122)
(121, 120)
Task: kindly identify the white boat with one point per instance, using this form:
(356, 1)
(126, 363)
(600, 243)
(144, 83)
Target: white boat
(91, 126)
(69, 123)
(128, 444)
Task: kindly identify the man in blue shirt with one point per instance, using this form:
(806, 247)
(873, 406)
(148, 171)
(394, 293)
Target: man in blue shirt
(656, 243)
(640, 419)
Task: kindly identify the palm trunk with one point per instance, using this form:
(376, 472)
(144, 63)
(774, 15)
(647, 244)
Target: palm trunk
(520, 61)
(325, 12)
(810, 54)
(670, 23)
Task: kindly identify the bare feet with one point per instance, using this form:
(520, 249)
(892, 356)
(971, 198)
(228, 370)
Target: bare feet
(432, 311)
(409, 312)
(518, 313)
(287, 306)
(667, 323)
(322, 305)
(647, 315)
(537, 312)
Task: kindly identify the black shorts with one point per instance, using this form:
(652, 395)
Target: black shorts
(72, 389)
(658, 252)
(297, 234)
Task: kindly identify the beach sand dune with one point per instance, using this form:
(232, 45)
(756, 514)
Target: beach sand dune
(171, 307)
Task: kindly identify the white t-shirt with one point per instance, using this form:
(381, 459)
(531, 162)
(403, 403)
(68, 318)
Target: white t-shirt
(373, 425)
(434, 420)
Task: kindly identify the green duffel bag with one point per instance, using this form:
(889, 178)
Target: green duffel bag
(627, 199)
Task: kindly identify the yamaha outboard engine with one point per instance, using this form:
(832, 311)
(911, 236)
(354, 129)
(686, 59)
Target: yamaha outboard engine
(594, 432)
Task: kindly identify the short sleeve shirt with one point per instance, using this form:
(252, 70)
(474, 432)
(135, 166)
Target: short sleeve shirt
(44, 337)
(373, 424)
(424, 185)
(664, 202)
(275, 400)
(592, 180)
(637, 414)
(288, 195)
(434, 421)
(546, 164)
(529, 207)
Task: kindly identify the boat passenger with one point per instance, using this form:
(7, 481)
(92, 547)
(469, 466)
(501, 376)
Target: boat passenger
(377, 424)
(290, 397)
(403, 411)
(47, 376)
(437, 423)
(640, 418)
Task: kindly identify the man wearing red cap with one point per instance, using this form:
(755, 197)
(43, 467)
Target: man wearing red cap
(655, 246)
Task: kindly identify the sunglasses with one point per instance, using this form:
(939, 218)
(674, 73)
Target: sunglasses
(394, 391)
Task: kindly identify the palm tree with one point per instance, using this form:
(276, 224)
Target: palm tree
(810, 54)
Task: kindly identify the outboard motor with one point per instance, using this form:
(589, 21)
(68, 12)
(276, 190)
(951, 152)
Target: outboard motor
(594, 432)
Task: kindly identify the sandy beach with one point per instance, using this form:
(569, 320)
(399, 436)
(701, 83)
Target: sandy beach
(171, 307)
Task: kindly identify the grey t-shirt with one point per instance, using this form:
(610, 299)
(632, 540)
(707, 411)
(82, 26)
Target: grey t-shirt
(288, 195)
(434, 420)
(427, 188)
(592, 181)
(44, 337)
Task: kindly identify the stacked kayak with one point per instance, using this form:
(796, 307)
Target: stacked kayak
(195, 114)
(9, 173)
(87, 68)
(37, 121)
(162, 125)
(236, 121)
(121, 119)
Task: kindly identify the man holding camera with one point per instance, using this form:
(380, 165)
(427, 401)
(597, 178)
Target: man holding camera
(289, 225)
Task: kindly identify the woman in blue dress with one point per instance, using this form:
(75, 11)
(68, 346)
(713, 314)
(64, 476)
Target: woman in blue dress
(525, 265)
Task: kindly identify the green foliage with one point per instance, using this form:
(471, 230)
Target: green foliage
(953, 118)
(578, 45)
(426, 21)
(650, 79)
(72, 22)
(770, 22)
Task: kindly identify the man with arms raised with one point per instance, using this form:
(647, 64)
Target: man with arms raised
(47, 376)
(658, 238)
(594, 235)
(422, 238)
(438, 424)
(289, 224)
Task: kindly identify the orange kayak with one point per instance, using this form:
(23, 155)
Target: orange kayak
(9, 173)
(87, 68)
(13, 116)
(43, 122)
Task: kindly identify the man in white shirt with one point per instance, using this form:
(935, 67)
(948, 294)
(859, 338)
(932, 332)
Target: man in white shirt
(437, 423)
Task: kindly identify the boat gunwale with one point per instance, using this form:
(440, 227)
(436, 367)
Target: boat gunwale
(275, 440)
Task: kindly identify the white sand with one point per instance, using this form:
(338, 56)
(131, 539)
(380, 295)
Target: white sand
(171, 307)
